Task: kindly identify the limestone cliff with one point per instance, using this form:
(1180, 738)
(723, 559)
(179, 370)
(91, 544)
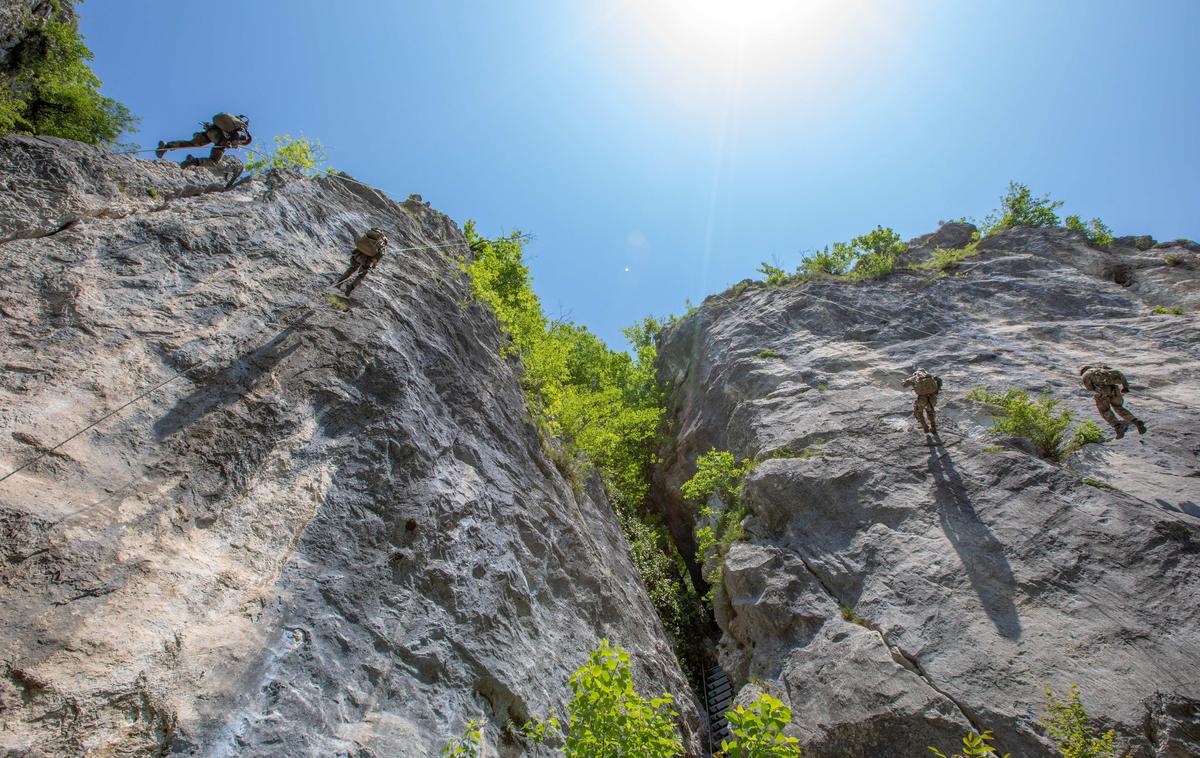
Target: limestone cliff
(320, 532)
(16, 16)
(980, 573)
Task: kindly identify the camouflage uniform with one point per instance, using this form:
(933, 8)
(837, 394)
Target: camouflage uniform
(212, 135)
(923, 406)
(368, 251)
(1108, 384)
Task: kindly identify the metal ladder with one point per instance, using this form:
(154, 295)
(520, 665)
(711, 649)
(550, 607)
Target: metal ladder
(718, 696)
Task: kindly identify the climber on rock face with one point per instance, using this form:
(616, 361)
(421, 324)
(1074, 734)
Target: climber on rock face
(223, 132)
(1108, 384)
(927, 386)
(368, 251)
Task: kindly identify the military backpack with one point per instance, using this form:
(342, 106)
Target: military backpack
(1101, 376)
(372, 243)
(926, 384)
(228, 123)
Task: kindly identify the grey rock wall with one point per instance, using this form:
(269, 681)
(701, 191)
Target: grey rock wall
(16, 15)
(336, 534)
(982, 574)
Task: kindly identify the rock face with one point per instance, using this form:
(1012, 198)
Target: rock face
(15, 17)
(318, 532)
(974, 574)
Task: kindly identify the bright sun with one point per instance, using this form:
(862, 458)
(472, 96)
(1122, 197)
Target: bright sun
(719, 24)
(703, 45)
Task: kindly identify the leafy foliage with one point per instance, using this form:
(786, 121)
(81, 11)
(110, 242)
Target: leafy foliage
(466, 746)
(596, 408)
(1165, 310)
(942, 259)
(974, 745)
(868, 256)
(308, 156)
(775, 276)
(1041, 421)
(1085, 433)
(1096, 230)
(50, 89)
(758, 731)
(716, 473)
(831, 261)
(768, 353)
(1066, 724)
(876, 253)
(1019, 207)
(607, 718)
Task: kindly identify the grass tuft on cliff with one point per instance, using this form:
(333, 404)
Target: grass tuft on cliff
(1040, 420)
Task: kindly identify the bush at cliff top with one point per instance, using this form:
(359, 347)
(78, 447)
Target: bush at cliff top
(1040, 420)
(868, 256)
(308, 156)
(1019, 207)
(1096, 230)
(50, 89)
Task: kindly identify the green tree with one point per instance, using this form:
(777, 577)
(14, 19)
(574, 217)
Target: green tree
(599, 408)
(607, 718)
(308, 156)
(1066, 724)
(1019, 207)
(717, 472)
(50, 88)
(758, 731)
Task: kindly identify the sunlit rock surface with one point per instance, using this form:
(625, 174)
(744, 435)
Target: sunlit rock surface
(334, 533)
(981, 573)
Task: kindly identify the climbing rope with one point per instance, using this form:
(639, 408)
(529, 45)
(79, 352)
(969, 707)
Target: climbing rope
(140, 396)
(43, 453)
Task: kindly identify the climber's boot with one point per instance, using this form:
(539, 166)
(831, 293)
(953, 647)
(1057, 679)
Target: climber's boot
(161, 151)
(1121, 429)
(1141, 425)
(188, 162)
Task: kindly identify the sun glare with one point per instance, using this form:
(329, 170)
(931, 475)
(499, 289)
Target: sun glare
(717, 24)
(702, 46)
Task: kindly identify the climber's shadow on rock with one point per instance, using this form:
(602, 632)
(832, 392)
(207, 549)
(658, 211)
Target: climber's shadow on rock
(228, 384)
(981, 553)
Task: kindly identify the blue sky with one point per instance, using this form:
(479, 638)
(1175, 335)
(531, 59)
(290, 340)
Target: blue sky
(659, 150)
